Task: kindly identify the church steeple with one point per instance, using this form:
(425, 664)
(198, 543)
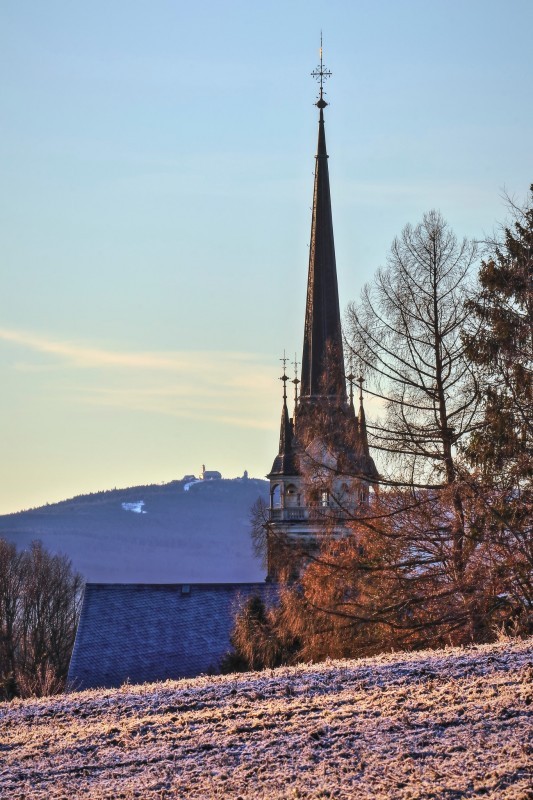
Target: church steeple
(322, 358)
(323, 470)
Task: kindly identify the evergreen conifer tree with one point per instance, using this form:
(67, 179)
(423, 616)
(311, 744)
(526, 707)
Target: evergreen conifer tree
(502, 448)
(502, 348)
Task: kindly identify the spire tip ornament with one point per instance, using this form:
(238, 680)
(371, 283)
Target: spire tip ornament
(284, 377)
(295, 380)
(360, 381)
(321, 74)
(351, 378)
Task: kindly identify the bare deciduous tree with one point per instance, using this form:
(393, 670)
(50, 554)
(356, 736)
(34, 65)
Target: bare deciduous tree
(39, 609)
(406, 335)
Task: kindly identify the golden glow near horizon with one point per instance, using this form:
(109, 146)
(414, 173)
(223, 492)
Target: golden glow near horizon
(199, 406)
(122, 418)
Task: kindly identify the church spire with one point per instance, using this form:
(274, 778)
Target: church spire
(323, 450)
(322, 358)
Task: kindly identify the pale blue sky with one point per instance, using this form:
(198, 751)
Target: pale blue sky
(156, 167)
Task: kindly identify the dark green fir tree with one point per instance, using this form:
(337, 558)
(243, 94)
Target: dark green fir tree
(501, 346)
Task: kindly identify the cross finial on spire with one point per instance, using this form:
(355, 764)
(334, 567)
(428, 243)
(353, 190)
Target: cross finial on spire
(295, 380)
(321, 74)
(284, 377)
(351, 378)
(360, 381)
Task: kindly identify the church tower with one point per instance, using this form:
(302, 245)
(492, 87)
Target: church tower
(323, 469)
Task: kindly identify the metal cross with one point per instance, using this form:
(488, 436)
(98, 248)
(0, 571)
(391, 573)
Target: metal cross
(350, 378)
(321, 73)
(295, 380)
(284, 377)
(360, 381)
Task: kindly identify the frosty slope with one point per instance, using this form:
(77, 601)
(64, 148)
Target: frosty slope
(438, 724)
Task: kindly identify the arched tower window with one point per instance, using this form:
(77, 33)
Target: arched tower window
(275, 496)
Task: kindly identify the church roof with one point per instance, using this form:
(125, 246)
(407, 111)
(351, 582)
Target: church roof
(322, 357)
(150, 632)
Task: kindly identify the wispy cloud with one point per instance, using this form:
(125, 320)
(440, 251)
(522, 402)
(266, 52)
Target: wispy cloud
(232, 388)
(232, 409)
(85, 357)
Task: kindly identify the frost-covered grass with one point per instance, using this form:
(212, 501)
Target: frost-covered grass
(442, 724)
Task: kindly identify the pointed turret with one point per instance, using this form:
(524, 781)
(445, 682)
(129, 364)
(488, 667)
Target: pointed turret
(353, 416)
(284, 463)
(363, 435)
(285, 433)
(367, 465)
(322, 359)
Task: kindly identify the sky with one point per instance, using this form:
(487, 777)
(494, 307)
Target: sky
(156, 169)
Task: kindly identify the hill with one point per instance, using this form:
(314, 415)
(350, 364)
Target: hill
(439, 724)
(177, 532)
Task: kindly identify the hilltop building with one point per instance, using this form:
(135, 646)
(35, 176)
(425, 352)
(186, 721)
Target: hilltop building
(323, 469)
(210, 474)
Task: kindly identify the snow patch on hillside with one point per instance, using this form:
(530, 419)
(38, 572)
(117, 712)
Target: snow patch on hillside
(137, 507)
(445, 725)
(187, 486)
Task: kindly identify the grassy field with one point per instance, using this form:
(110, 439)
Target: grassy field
(439, 724)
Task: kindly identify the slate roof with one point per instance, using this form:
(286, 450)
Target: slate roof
(149, 632)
